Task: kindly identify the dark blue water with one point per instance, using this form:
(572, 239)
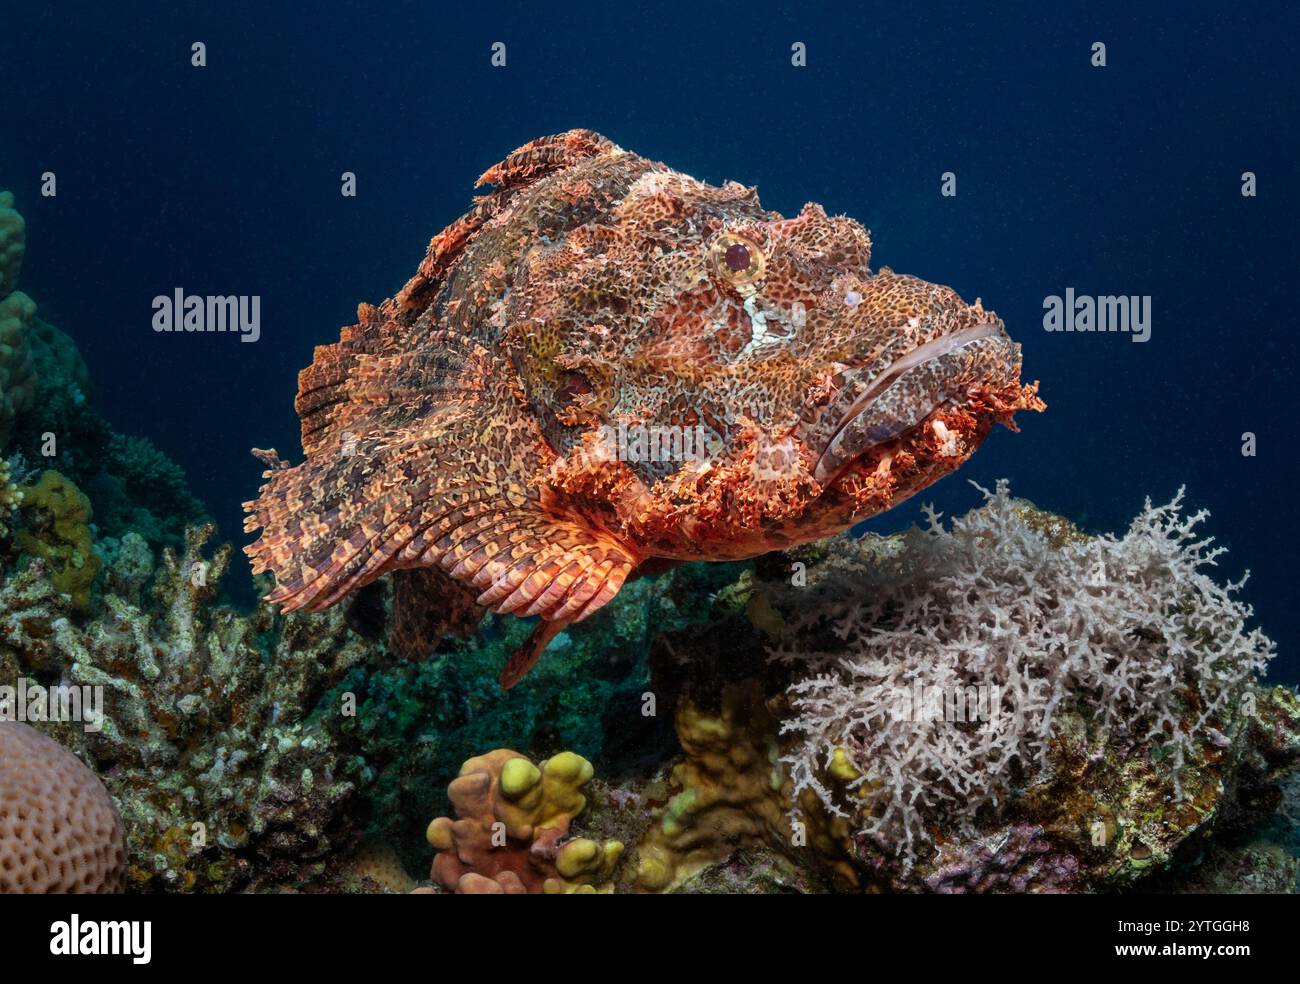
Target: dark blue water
(1119, 180)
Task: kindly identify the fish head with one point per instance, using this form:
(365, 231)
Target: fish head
(750, 371)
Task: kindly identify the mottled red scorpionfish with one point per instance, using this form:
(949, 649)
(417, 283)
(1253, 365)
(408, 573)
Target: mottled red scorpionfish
(605, 367)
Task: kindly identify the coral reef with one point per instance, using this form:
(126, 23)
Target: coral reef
(44, 388)
(1148, 754)
(511, 835)
(728, 791)
(59, 831)
(426, 718)
(56, 528)
(735, 711)
(17, 310)
(228, 769)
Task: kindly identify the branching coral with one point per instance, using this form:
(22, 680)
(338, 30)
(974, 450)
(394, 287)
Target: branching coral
(955, 667)
(151, 481)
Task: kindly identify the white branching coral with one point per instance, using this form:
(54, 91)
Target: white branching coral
(956, 659)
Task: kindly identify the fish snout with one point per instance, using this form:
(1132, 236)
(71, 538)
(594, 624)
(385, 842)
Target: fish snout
(861, 407)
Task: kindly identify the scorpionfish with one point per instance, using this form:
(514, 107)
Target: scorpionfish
(607, 367)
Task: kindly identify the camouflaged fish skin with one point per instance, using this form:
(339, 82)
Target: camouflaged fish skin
(476, 422)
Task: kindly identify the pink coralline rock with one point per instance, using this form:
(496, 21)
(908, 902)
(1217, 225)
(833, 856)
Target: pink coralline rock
(1022, 861)
(59, 829)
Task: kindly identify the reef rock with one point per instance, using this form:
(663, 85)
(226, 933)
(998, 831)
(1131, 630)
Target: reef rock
(230, 766)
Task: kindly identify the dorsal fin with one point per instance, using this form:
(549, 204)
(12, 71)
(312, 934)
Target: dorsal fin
(544, 156)
(527, 165)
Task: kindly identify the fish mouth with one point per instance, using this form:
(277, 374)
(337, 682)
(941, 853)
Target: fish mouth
(872, 407)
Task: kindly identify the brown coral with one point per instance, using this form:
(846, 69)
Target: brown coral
(17, 377)
(59, 830)
(377, 864)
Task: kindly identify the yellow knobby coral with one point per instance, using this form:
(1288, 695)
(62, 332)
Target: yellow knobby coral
(512, 818)
(731, 792)
(56, 528)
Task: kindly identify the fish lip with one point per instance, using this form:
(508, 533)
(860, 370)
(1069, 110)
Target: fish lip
(926, 352)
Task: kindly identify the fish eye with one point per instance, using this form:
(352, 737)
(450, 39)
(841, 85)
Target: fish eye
(736, 259)
(571, 386)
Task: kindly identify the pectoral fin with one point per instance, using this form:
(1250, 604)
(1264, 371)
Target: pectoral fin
(531, 565)
(526, 656)
(428, 605)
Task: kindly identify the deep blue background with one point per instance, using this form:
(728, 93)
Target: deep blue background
(1121, 180)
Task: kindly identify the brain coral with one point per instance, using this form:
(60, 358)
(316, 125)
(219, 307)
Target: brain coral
(59, 830)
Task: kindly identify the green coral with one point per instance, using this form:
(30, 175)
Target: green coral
(56, 529)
